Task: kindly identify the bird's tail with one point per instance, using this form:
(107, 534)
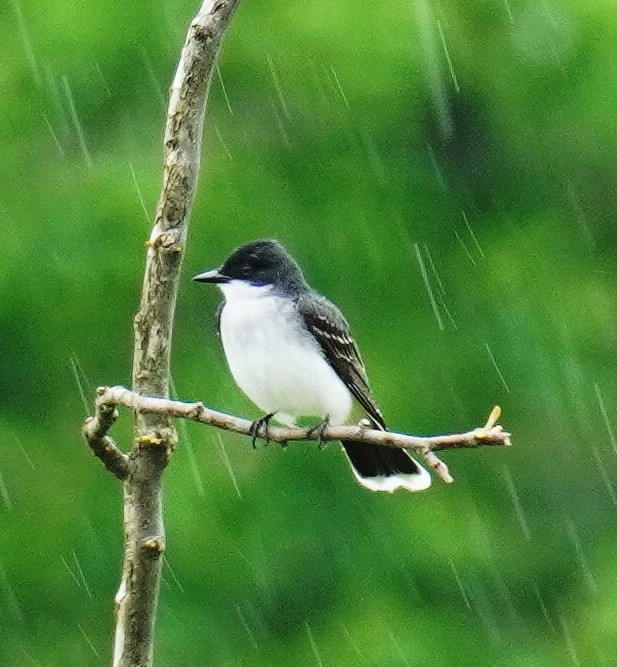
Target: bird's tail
(380, 468)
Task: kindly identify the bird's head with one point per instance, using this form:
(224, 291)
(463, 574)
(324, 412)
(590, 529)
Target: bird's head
(260, 263)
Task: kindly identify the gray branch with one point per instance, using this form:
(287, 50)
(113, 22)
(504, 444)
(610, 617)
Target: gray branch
(426, 446)
(95, 431)
(142, 470)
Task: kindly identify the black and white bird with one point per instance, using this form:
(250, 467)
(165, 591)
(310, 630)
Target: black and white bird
(292, 353)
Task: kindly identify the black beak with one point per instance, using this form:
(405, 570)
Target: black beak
(213, 276)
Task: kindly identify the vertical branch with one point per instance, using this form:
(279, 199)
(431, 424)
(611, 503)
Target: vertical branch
(155, 435)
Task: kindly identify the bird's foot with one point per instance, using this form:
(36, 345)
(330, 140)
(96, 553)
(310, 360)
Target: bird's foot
(319, 430)
(259, 429)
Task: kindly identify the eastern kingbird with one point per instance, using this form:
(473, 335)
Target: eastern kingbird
(291, 352)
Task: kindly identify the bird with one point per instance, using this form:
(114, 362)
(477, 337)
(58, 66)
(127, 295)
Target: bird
(291, 351)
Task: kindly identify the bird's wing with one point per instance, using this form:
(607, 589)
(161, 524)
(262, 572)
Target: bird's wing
(330, 329)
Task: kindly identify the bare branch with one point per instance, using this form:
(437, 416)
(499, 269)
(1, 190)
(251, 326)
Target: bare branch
(95, 432)
(144, 533)
(426, 446)
(182, 153)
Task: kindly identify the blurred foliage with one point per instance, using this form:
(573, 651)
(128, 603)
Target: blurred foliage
(474, 138)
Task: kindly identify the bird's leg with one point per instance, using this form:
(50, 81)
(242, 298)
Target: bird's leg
(319, 430)
(259, 429)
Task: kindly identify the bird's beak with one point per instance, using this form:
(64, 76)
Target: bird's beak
(213, 276)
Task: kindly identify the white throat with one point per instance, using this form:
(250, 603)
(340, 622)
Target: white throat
(237, 291)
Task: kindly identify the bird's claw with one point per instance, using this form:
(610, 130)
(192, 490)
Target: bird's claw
(319, 430)
(259, 429)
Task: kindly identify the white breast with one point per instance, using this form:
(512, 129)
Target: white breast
(275, 361)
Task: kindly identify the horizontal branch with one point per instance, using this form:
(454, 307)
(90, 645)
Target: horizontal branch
(109, 397)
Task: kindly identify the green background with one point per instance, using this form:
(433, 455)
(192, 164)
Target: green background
(475, 139)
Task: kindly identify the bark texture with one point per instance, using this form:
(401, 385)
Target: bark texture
(155, 436)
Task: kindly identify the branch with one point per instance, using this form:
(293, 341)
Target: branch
(490, 434)
(95, 430)
(144, 533)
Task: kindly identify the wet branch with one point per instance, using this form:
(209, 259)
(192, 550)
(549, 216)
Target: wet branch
(142, 470)
(490, 434)
(95, 431)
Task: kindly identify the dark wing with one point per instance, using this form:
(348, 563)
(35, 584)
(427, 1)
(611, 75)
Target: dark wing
(327, 324)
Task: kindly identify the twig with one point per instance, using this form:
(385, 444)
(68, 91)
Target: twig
(426, 446)
(95, 431)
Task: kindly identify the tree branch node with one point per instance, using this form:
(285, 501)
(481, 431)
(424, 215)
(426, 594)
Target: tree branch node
(149, 440)
(155, 545)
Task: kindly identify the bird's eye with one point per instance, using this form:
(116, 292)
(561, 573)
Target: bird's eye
(246, 269)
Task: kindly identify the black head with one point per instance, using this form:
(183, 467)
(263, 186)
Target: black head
(263, 262)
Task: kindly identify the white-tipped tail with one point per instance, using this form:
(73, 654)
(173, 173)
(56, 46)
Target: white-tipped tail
(419, 481)
(384, 469)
